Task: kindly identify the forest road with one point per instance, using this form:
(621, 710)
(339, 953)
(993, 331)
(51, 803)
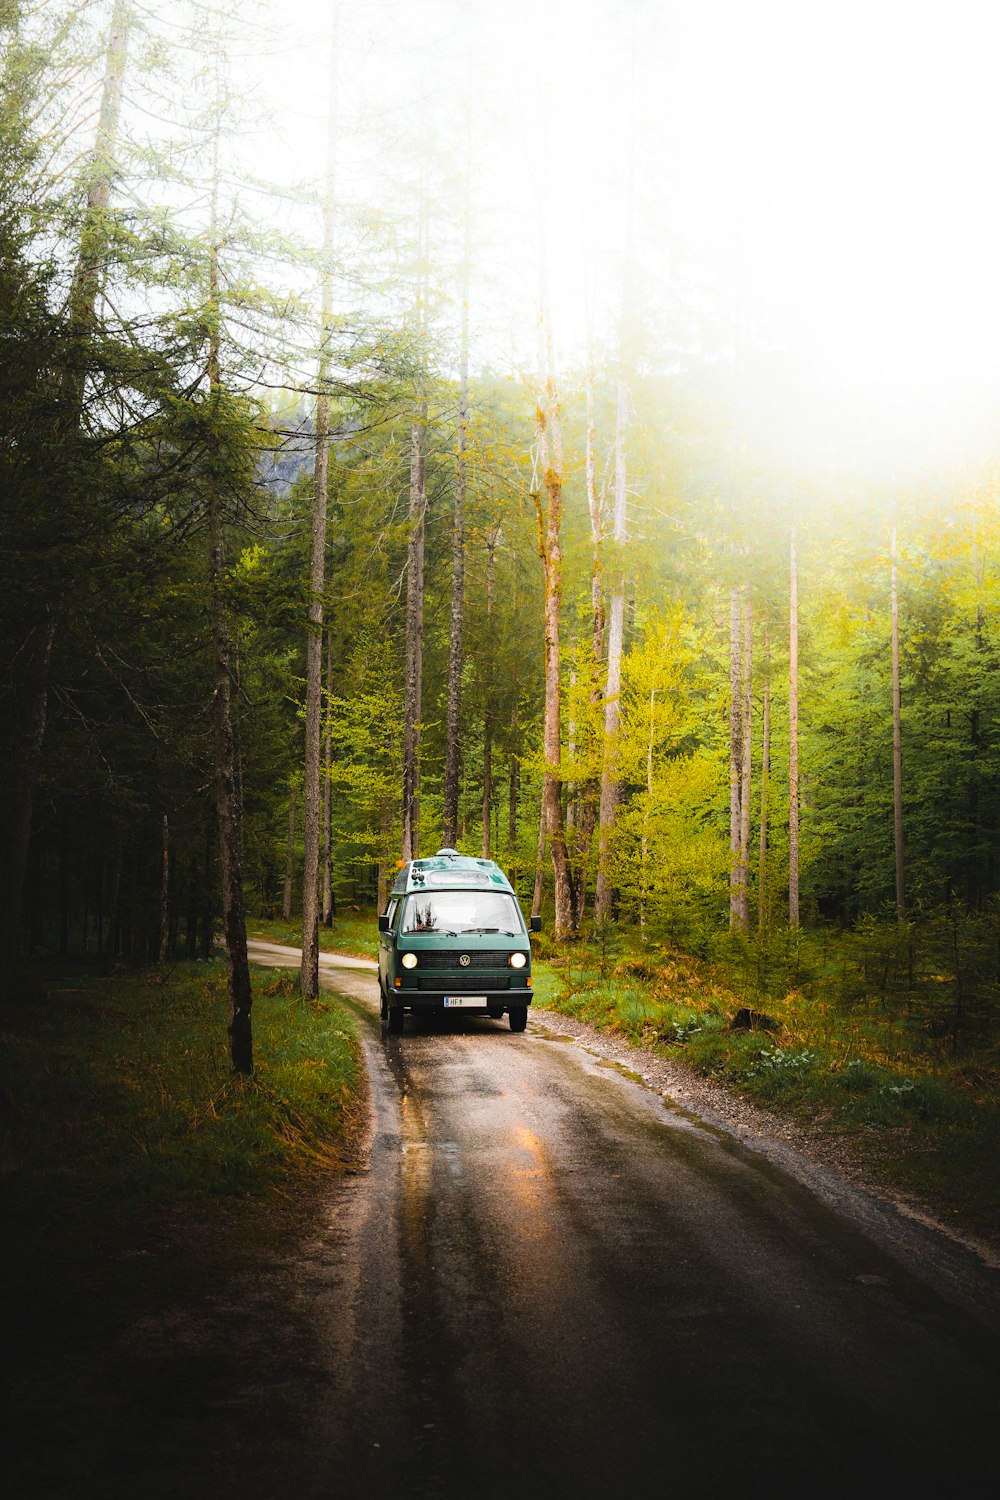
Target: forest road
(547, 1282)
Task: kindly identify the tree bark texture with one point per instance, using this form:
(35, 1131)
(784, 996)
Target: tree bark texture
(735, 755)
(746, 764)
(453, 743)
(897, 745)
(414, 645)
(765, 790)
(793, 735)
(612, 697)
(228, 809)
(312, 798)
(327, 838)
(549, 515)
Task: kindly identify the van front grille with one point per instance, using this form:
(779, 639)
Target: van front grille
(463, 984)
(432, 958)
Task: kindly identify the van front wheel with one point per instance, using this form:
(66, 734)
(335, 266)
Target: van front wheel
(518, 1015)
(395, 1014)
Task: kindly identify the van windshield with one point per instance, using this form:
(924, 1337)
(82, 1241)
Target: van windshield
(452, 912)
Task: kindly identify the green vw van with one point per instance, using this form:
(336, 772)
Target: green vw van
(452, 937)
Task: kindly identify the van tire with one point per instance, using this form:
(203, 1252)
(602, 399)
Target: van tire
(518, 1016)
(395, 1019)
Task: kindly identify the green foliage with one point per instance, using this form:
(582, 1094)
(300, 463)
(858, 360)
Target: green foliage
(120, 1090)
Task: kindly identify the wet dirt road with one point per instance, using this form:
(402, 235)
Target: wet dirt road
(549, 1283)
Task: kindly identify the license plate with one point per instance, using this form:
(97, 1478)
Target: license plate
(473, 1000)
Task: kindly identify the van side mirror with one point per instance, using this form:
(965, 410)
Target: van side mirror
(534, 924)
(383, 923)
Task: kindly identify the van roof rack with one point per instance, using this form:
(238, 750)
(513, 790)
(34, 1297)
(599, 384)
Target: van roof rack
(449, 870)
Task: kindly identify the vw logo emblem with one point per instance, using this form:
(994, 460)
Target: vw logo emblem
(465, 960)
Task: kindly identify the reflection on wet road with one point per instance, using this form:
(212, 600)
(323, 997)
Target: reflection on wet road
(547, 1284)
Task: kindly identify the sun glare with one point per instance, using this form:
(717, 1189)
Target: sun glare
(819, 176)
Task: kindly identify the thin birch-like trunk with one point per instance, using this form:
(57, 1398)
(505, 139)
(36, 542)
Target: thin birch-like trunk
(453, 743)
(897, 745)
(746, 763)
(793, 735)
(548, 430)
(765, 789)
(536, 895)
(735, 755)
(414, 648)
(228, 811)
(312, 797)
(327, 852)
(612, 696)
(513, 796)
(644, 852)
(590, 793)
(491, 546)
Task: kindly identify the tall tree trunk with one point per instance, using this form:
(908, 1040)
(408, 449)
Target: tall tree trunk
(548, 428)
(487, 786)
(765, 789)
(746, 763)
(536, 895)
(492, 538)
(165, 893)
(228, 810)
(513, 800)
(384, 876)
(286, 902)
(309, 974)
(453, 744)
(32, 709)
(612, 696)
(735, 755)
(897, 746)
(414, 646)
(589, 794)
(793, 735)
(646, 811)
(327, 851)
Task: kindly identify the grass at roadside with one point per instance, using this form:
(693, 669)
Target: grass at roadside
(929, 1121)
(141, 1183)
(121, 1086)
(355, 931)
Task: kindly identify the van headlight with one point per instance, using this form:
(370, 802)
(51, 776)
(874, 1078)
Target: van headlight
(518, 960)
(409, 960)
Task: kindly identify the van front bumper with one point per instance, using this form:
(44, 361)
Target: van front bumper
(426, 999)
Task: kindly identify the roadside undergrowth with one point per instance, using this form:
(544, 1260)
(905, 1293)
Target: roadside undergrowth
(142, 1183)
(117, 1092)
(354, 931)
(927, 1118)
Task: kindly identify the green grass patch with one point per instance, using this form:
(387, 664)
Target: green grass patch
(354, 931)
(837, 1060)
(142, 1183)
(120, 1089)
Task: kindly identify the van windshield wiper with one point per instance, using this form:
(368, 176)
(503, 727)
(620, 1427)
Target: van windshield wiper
(500, 931)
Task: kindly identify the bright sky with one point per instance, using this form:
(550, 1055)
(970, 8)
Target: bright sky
(821, 174)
